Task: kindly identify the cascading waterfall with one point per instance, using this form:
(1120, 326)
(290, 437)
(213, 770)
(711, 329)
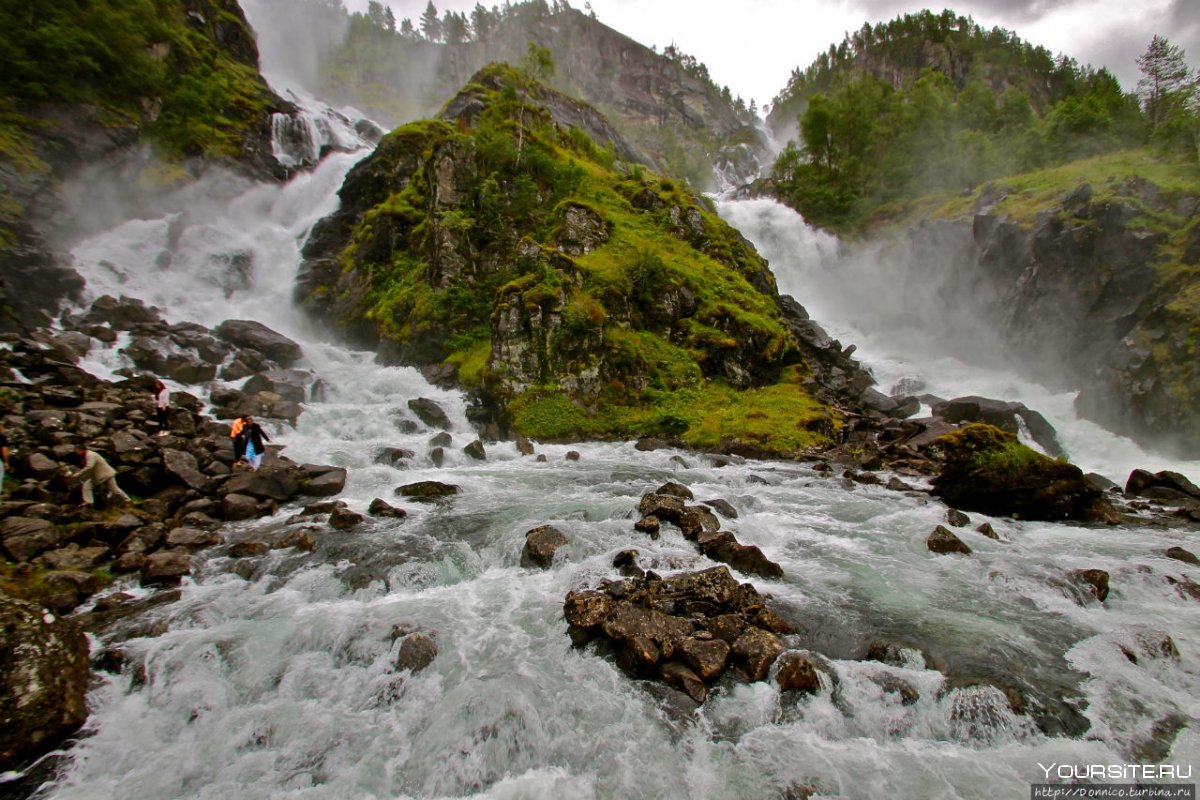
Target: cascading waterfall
(904, 332)
(282, 684)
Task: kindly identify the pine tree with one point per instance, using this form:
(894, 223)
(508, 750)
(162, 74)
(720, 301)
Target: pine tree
(1166, 79)
(431, 25)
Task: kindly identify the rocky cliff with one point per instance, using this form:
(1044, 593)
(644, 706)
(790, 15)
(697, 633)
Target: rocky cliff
(1093, 288)
(506, 249)
(162, 99)
(667, 107)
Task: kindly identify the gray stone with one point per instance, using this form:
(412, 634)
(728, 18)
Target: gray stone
(541, 544)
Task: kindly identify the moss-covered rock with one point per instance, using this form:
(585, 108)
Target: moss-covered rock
(988, 470)
(581, 295)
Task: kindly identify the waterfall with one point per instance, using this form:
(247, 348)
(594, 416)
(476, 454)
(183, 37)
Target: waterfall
(907, 335)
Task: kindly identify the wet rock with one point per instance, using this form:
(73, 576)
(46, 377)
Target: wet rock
(1095, 581)
(475, 450)
(25, 538)
(43, 680)
(541, 459)
(437, 456)
(1169, 485)
(957, 518)
(665, 508)
(429, 412)
(417, 652)
(648, 524)
(754, 652)
(427, 491)
(166, 567)
(650, 443)
(181, 465)
(1179, 554)
(442, 439)
(238, 506)
(249, 549)
(192, 538)
(541, 544)
(987, 530)
(394, 456)
(672, 489)
(381, 508)
(74, 557)
(326, 483)
(268, 483)
(40, 467)
(989, 471)
(524, 446)
(798, 673)
(255, 336)
(745, 558)
(890, 684)
(680, 676)
(343, 519)
(572, 455)
(303, 540)
(587, 609)
(697, 520)
(706, 657)
(943, 542)
(722, 507)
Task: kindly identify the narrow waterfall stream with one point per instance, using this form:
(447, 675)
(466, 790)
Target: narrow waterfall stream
(282, 685)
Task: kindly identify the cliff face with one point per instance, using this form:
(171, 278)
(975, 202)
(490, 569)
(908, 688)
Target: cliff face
(1097, 290)
(195, 100)
(506, 248)
(679, 121)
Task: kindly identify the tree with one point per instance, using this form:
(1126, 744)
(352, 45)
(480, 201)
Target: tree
(539, 62)
(1166, 80)
(389, 19)
(454, 27)
(431, 25)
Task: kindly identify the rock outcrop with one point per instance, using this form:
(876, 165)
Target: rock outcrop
(686, 630)
(465, 245)
(986, 469)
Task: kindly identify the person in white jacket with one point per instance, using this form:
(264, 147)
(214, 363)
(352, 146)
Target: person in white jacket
(97, 473)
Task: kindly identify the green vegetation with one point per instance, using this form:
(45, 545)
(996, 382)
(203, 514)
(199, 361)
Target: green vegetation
(191, 79)
(591, 299)
(779, 418)
(879, 126)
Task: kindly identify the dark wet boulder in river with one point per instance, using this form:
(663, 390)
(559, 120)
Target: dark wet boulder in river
(427, 491)
(1006, 416)
(541, 544)
(255, 336)
(986, 469)
(43, 680)
(942, 542)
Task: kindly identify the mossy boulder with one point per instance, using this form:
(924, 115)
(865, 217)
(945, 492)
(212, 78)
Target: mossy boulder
(988, 470)
(577, 294)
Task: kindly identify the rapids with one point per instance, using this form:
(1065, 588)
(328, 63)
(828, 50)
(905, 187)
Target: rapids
(283, 686)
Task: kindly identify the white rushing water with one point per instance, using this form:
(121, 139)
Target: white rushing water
(897, 324)
(283, 685)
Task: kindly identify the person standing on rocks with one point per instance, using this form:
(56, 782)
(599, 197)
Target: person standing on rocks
(3, 457)
(162, 406)
(97, 473)
(237, 433)
(255, 447)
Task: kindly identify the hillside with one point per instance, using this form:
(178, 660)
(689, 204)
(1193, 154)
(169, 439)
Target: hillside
(930, 103)
(1089, 273)
(580, 295)
(86, 84)
(665, 103)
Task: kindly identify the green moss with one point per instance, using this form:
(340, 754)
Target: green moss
(471, 363)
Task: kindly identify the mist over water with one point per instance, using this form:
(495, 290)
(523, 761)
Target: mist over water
(910, 328)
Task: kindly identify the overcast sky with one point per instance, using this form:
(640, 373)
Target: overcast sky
(753, 45)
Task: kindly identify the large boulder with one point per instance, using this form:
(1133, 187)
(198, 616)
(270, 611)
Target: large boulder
(43, 680)
(986, 469)
(541, 544)
(26, 537)
(427, 491)
(1007, 416)
(258, 337)
(268, 483)
(686, 630)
